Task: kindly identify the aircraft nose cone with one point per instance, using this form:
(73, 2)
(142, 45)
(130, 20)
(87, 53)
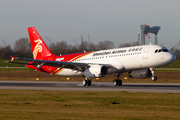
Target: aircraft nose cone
(173, 58)
(169, 58)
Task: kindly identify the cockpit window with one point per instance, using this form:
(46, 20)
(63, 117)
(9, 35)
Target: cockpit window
(161, 50)
(164, 50)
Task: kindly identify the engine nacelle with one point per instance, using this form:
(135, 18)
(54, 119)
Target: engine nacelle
(96, 71)
(144, 73)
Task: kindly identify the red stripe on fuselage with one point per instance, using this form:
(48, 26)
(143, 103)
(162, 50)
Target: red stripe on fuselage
(70, 57)
(63, 58)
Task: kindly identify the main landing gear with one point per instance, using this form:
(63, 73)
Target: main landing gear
(86, 82)
(154, 78)
(117, 82)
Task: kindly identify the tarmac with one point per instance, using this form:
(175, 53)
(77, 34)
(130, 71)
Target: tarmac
(96, 86)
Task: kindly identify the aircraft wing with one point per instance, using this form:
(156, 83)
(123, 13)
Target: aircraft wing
(71, 65)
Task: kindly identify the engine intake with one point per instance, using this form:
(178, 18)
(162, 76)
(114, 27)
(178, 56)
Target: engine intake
(96, 71)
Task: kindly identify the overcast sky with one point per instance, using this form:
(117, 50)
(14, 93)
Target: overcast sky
(115, 20)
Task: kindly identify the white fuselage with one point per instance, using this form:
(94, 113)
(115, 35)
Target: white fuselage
(126, 59)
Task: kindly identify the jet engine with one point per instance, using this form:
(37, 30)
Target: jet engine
(96, 71)
(143, 73)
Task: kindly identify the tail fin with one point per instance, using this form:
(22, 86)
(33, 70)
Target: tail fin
(39, 48)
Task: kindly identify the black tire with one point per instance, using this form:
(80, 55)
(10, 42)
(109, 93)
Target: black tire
(115, 82)
(84, 82)
(155, 78)
(119, 82)
(88, 83)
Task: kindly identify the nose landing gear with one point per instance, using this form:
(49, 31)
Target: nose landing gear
(154, 78)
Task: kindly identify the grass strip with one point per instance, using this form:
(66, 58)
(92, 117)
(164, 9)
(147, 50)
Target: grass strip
(16, 68)
(34, 104)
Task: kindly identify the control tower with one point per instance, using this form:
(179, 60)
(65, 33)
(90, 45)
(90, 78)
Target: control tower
(145, 29)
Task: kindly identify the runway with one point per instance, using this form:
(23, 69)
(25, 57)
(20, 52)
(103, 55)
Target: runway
(96, 86)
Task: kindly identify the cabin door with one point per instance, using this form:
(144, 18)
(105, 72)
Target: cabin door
(145, 52)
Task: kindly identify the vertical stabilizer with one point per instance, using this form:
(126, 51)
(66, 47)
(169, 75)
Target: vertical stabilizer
(39, 48)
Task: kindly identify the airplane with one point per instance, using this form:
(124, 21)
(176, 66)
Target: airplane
(138, 61)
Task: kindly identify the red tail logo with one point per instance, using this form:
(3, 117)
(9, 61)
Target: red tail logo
(39, 47)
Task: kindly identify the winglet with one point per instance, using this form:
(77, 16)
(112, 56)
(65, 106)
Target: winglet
(12, 58)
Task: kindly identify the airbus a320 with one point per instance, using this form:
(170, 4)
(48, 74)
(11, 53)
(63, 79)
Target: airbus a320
(138, 61)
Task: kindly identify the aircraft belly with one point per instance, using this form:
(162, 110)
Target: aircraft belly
(69, 72)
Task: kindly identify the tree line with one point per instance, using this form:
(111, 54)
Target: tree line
(22, 48)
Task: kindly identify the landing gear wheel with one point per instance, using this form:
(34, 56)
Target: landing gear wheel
(86, 82)
(154, 78)
(120, 82)
(117, 82)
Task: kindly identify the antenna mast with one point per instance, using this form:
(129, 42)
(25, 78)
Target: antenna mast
(4, 42)
(48, 39)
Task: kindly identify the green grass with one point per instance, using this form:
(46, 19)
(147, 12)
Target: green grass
(32, 104)
(16, 68)
(3, 63)
(164, 70)
(175, 64)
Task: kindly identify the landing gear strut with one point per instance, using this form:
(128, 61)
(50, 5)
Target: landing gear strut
(154, 78)
(117, 82)
(86, 82)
